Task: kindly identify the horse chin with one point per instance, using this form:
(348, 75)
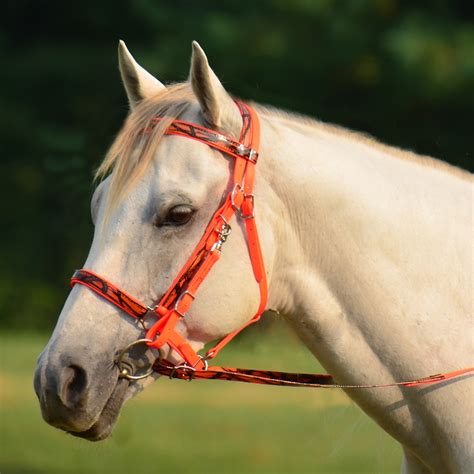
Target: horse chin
(103, 426)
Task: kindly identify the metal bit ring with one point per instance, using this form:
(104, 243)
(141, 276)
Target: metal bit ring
(124, 372)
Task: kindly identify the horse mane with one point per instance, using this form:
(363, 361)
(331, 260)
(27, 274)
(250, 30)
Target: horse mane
(295, 120)
(133, 150)
(135, 145)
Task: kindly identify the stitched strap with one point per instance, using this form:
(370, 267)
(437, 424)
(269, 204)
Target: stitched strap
(110, 292)
(165, 324)
(241, 151)
(250, 136)
(135, 309)
(289, 379)
(181, 293)
(200, 263)
(213, 139)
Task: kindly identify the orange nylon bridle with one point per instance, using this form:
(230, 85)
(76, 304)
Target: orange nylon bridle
(182, 292)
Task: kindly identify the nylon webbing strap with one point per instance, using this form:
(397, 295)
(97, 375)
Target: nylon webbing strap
(110, 292)
(181, 293)
(290, 379)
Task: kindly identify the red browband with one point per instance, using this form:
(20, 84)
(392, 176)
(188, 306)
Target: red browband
(182, 292)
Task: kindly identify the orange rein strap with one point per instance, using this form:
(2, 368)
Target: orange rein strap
(266, 377)
(289, 379)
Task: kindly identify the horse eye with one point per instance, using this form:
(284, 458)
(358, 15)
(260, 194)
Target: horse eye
(179, 215)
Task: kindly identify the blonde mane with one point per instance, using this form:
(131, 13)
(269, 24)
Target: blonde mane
(136, 143)
(302, 121)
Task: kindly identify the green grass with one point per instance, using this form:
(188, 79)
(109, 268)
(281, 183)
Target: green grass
(198, 427)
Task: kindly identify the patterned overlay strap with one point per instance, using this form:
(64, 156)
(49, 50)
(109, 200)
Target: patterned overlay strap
(288, 379)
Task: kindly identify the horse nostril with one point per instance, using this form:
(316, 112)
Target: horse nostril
(73, 385)
(37, 383)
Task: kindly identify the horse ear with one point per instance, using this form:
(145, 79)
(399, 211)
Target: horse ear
(139, 83)
(216, 104)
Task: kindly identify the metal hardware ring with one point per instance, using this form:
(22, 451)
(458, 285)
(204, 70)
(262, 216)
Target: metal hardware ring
(123, 371)
(180, 297)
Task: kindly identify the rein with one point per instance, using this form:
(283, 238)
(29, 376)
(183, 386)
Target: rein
(180, 295)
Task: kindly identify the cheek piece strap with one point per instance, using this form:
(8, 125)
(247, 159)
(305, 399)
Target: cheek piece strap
(177, 300)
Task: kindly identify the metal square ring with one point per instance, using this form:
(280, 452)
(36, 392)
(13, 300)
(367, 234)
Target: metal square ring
(180, 297)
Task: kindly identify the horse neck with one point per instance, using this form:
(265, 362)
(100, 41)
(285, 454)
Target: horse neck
(360, 251)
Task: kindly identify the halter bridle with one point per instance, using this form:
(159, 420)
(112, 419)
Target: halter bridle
(177, 300)
(180, 295)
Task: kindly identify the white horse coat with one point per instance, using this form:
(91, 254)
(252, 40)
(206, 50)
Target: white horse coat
(368, 253)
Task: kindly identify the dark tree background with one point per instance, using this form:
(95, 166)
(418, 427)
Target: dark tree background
(400, 70)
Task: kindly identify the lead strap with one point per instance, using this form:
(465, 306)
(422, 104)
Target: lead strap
(290, 379)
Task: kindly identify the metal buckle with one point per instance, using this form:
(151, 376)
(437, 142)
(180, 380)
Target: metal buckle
(224, 233)
(246, 152)
(252, 214)
(238, 210)
(181, 366)
(150, 310)
(203, 359)
(190, 368)
(180, 297)
(253, 155)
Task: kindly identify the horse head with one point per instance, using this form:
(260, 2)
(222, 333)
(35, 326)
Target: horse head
(157, 195)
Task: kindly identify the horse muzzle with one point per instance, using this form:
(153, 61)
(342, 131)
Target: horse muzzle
(75, 396)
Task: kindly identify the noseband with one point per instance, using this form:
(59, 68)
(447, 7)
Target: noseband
(177, 300)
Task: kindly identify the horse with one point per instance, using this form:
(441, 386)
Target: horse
(366, 249)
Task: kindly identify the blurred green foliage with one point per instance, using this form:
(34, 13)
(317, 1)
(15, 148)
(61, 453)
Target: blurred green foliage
(400, 70)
